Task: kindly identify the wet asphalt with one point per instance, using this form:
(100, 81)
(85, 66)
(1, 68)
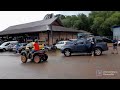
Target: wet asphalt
(60, 67)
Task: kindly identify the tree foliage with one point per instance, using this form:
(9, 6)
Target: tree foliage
(97, 22)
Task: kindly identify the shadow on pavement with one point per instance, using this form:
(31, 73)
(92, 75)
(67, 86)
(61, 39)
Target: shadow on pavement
(32, 62)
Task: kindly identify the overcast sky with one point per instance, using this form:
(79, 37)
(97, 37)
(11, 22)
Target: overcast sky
(9, 18)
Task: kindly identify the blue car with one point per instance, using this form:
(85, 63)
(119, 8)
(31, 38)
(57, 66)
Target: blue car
(83, 46)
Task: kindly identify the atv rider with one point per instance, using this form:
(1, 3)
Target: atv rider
(36, 46)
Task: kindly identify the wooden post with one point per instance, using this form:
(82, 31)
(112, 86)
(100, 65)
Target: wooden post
(48, 41)
(72, 35)
(51, 33)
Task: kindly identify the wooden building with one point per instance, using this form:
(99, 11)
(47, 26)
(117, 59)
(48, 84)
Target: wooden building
(49, 30)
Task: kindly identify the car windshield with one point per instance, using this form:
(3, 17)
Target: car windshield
(23, 44)
(29, 45)
(99, 40)
(5, 43)
(70, 42)
(61, 42)
(10, 45)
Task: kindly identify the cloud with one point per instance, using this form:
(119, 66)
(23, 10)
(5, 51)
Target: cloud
(73, 12)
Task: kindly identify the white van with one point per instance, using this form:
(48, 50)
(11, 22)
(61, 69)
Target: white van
(4, 46)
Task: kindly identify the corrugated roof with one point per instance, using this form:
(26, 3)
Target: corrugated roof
(26, 30)
(37, 26)
(32, 24)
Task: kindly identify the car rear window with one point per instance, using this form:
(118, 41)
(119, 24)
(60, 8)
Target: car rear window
(69, 42)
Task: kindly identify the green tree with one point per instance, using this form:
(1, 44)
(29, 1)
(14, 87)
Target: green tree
(97, 22)
(60, 16)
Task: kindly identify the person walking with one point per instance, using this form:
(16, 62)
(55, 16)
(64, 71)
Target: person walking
(115, 41)
(17, 47)
(93, 44)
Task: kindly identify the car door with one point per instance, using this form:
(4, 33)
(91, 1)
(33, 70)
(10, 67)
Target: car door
(80, 46)
(59, 44)
(6, 46)
(88, 46)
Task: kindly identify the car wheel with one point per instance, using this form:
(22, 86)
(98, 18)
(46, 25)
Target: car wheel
(23, 58)
(45, 57)
(55, 47)
(119, 44)
(4, 49)
(98, 51)
(37, 59)
(67, 52)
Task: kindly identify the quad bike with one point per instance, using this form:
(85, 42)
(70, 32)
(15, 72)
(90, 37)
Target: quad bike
(37, 56)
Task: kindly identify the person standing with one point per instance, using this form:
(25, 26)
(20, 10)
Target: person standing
(115, 41)
(17, 47)
(93, 44)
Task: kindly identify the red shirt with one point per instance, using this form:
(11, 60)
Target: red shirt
(36, 46)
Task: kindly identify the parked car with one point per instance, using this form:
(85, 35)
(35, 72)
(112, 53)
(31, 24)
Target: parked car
(53, 47)
(22, 47)
(46, 47)
(11, 45)
(4, 46)
(83, 46)
(1, 42)
(31, 45)
(60, 44)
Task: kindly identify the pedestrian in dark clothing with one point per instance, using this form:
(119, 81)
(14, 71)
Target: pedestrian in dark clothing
(93, 44)
(115, 46)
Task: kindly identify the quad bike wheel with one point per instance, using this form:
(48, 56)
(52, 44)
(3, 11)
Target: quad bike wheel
(45, 57)
(37, 59)
(24, 58)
